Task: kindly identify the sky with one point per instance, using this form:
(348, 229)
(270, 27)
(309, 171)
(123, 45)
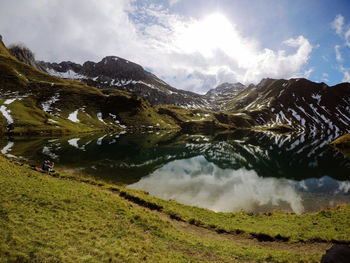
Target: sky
(193, 45)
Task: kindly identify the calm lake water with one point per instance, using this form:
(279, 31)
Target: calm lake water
(223, 172)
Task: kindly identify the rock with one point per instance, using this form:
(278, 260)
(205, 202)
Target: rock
(337, 254)
(25, 55)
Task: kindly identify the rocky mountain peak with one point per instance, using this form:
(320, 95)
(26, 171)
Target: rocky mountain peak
(115, 68)
(23, 54)
(225, 88)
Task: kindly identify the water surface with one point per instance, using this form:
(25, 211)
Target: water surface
(223, 172)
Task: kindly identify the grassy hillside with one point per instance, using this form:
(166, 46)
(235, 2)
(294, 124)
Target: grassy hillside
(34, 102)
(204, 121)
(72, 219)
(326, 225)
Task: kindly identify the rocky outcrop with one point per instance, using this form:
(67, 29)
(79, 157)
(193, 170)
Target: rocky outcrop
(224, 89)
(25, 55)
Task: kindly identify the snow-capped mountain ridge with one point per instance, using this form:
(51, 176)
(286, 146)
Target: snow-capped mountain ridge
(301, 104)
(119, 73)
(296, 104)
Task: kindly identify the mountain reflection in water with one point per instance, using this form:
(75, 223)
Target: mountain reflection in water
(224, 172)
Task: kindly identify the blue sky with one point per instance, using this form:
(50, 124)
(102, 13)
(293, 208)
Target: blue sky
(271, 21)
(193, 45)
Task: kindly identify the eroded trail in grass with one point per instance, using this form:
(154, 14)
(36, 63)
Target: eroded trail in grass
(299, 247)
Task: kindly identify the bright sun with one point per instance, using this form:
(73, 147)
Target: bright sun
(212, 33)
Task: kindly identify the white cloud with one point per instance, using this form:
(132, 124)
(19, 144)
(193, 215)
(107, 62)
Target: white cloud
(173, 2)
(188, 53)
(325, 58)
(338, 55)
(347, 37)
(325, 77)
(308, 72)
(346, 73)
(338, 23)
(344, 34)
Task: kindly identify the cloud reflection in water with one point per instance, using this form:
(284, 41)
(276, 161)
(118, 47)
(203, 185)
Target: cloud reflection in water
(197, 182)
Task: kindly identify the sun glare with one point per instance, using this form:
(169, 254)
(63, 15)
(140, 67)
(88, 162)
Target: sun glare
(214, 32)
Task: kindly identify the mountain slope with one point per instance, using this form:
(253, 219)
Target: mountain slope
(220, 97)
(303, 105)
(282, 105)
(118, 73)
(34, 102)
(25, 55)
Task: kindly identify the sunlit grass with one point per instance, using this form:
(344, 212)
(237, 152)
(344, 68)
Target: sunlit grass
(46, 219)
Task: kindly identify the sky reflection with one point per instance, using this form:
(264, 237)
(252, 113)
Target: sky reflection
(200, 183)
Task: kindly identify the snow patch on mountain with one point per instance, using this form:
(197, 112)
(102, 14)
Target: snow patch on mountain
(70, 74)
(74, 116)
(74, 142)
(99, 117)
(7, 148)
(47, 105)
(6, 113)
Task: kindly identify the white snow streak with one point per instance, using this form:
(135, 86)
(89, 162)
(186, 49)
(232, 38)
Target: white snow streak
(74, 116)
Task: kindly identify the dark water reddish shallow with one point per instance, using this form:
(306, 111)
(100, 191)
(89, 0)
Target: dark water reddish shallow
(222, 172)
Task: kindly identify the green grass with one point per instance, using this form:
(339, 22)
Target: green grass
(326, 225)
(46, 219)
(204, 121)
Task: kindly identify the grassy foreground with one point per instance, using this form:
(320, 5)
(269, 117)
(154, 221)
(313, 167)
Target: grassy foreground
(328, 225)
(72, 219)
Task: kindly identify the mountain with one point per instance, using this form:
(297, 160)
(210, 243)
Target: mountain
(118, 73)
(297, 104)
(219, 96)
(302, 105)
(275, 104)
(34, 102)
(225, 89)
(25, 55)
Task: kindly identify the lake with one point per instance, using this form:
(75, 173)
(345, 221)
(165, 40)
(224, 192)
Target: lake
(254, 171)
